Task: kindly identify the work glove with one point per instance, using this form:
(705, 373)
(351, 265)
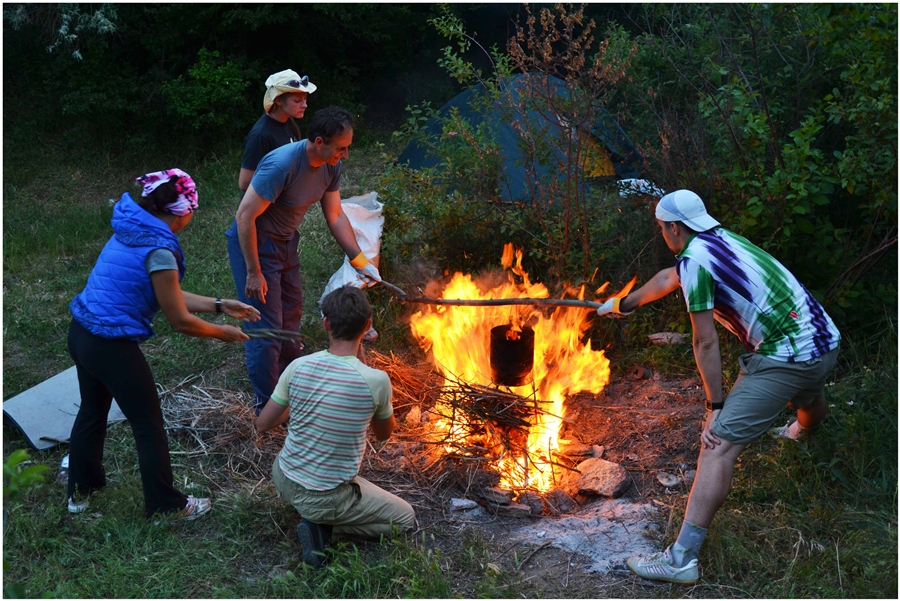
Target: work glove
(611, 309)
(369, 275)
(367, 272)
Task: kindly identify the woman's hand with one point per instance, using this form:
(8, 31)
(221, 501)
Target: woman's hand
(239, 310)
(232, 334)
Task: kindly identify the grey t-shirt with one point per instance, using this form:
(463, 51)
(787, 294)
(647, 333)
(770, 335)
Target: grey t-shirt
(286, 179)
(160, 259)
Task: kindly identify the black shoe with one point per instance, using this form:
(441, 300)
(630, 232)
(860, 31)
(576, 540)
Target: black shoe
(312, 543)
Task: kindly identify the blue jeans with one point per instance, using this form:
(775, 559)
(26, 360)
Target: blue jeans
(280, 265)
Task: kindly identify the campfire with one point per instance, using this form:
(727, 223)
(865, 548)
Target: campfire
(507, 372)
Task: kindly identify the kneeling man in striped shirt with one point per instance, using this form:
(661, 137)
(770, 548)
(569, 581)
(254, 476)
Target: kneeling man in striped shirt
(332, 399)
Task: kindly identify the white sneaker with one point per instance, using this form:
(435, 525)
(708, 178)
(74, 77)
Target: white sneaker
(658, 566)
(194, 509)
(77, 506)
(789, 431)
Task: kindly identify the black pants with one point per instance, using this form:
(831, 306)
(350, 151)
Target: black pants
(117, 368)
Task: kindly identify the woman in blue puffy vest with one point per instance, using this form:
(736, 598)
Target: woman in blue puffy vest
(139, 272)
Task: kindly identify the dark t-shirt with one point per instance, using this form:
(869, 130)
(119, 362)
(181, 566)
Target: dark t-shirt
(266, 135)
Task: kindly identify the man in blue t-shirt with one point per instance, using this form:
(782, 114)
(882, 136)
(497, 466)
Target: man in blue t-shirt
(285, 100)
(263, 240)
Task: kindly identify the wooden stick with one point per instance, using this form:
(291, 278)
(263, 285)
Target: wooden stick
(544, 302)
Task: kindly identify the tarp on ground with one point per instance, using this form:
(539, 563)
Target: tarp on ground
(616, 156)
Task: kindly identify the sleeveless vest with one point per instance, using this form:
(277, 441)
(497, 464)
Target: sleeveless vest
(119, 301)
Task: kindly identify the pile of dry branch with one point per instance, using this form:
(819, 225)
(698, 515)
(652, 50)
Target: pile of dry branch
(215, 426)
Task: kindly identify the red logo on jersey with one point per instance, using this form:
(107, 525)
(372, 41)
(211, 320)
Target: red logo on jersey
(794, 314)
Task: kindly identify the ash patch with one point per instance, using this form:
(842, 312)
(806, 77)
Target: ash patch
(607, 532)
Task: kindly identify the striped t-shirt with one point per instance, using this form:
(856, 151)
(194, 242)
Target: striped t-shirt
(332, 401)
(754, 296)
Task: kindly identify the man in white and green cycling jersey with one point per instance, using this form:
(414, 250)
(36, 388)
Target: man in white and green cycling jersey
(792, 343)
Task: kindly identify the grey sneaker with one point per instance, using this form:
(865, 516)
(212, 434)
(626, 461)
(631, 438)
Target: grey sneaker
(658, 566)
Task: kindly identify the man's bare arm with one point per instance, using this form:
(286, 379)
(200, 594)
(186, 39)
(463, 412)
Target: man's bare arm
(251, 207)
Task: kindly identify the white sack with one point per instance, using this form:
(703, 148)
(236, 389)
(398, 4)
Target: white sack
(364, 213)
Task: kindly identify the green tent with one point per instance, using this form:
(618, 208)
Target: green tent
(616, 157)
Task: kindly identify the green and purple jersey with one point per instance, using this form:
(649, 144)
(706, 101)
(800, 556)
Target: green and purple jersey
(755, 297)
(332, 401)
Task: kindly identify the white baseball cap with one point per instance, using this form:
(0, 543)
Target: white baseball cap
(285, 82)
(687, 207)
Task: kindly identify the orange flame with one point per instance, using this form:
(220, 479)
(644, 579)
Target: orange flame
(458, 339)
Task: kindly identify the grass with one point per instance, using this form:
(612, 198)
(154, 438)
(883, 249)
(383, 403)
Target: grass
(817, 519)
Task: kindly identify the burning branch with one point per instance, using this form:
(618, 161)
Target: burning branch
(499, 420)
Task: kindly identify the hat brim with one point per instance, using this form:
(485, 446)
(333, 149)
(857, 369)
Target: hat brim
(701, 223)
(309, 88)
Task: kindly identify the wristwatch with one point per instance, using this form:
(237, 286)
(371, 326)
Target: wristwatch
(714, 406)
(218, 305)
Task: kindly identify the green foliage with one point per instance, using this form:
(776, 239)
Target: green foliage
(16, 478)
(69, 22)
(784, 118)
(18, 475)
(211, 95)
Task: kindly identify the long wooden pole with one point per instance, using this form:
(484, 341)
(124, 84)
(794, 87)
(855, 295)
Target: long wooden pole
(492, 302)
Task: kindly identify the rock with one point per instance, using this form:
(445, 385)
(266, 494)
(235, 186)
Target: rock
(602, 477)
(558, 501)
(668, 480)
(462, 504)
(533, 500)
(515, 510)
(573, 448)
(481, 478)
(668, 338)
(496, 495)
(597, 451)
(689, 477)
(414, 417)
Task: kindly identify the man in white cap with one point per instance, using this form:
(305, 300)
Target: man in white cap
(285, 100)
(792, 343)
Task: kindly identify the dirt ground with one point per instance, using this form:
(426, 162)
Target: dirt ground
(645, 423)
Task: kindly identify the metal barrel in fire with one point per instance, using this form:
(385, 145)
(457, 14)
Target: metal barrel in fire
(512, 357)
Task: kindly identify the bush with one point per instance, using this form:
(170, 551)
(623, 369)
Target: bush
(783, 117)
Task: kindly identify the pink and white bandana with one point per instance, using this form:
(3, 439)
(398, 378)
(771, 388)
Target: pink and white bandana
(187, 189)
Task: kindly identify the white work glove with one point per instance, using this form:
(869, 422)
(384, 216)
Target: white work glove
(368, 275)
(611, 309)
(366, 272)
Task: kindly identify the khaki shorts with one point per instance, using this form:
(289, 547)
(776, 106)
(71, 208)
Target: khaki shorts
(356, 507)
(764, 388)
